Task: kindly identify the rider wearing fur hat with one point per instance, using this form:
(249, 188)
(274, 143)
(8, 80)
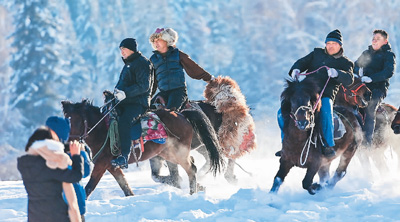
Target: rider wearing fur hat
(169, 63)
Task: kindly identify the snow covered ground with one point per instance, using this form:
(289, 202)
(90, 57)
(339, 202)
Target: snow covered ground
(360, 196)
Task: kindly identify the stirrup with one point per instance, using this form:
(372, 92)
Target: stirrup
(120, 162)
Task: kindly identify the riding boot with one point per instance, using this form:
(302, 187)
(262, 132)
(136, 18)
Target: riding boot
(328, 151)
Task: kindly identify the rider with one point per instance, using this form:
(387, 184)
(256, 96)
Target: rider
(169, 63)
(340, 72)
(375, 66)
(133, 91)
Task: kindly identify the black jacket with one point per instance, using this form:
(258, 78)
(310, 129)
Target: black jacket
(378, 65)
(136, 80)
(44, 187)
(319, 58)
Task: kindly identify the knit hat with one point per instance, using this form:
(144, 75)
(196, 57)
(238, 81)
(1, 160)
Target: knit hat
(129, 43)
(335, 36)
(61, 126)
(167, 34)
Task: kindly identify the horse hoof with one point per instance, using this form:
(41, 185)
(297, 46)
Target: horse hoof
(314, 188)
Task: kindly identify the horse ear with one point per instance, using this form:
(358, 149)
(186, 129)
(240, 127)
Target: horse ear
(107, 93)
(66, 106)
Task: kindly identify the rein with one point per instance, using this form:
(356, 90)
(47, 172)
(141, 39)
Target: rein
(312, 124)
(86, 133)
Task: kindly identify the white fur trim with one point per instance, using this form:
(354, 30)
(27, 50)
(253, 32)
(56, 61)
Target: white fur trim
(51, 145)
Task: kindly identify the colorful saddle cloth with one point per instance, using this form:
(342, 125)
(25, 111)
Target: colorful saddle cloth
(152, 128)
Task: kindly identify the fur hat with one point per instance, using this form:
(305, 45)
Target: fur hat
(167, 34)
(129, 43)
(60, 126)
(335, 36)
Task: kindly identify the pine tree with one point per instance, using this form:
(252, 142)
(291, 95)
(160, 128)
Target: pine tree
(34, 61)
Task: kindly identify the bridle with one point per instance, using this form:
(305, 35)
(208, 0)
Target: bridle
(351, 94)
(309, 109)
(87, 130)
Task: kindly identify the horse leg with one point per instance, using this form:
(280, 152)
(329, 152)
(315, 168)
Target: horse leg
(100, 166)
(121, 180)
(205, 168)
(342, 167)
(284, 169)
(323, 174)
(312, 188)
(229, 175)
(191, 171)
(173, 179)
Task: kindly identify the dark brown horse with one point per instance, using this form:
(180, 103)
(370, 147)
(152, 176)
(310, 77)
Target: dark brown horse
(84, 117)
(302, 146)
(356, 97)
(396, 123)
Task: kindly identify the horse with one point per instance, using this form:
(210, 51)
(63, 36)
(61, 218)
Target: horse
(225, 106)
(356, 97)
(86, 123)
(396, 123)
(302, 145)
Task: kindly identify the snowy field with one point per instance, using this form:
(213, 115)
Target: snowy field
(361, 196)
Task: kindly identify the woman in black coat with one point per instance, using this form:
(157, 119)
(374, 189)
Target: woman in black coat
(43, 184)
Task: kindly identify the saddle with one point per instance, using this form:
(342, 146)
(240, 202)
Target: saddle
(148, 126)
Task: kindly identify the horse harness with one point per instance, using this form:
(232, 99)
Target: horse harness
(351, 93)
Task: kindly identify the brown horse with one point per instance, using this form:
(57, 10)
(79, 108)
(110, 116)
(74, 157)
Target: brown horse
(396, 123)
(302, 146)
(84, 117)
(356, 97)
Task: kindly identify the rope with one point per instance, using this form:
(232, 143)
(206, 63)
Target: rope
(114, 138)
(309, 142)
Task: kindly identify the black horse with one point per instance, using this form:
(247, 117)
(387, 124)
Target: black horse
(302, 146)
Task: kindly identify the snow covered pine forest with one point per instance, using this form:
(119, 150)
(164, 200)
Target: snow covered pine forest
(68, 50)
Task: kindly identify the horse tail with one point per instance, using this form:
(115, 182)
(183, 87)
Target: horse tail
(203, 127)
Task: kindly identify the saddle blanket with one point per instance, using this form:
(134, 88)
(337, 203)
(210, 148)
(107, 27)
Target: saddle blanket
(339, 128)
(151, 129)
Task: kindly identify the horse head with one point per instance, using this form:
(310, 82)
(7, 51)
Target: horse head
(355, 95)
(82, 115)
(396, 123)
(299, 101)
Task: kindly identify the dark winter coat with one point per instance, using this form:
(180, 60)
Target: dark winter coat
(169, 69)
(44, 187)
(378, 65)
(136, 80)
(318, 58)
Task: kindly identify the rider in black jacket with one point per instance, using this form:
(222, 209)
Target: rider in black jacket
(375, 66)
(133, 90)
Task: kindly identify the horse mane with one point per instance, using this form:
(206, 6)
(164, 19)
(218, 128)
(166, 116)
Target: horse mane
(308, 86)
(82, 107)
